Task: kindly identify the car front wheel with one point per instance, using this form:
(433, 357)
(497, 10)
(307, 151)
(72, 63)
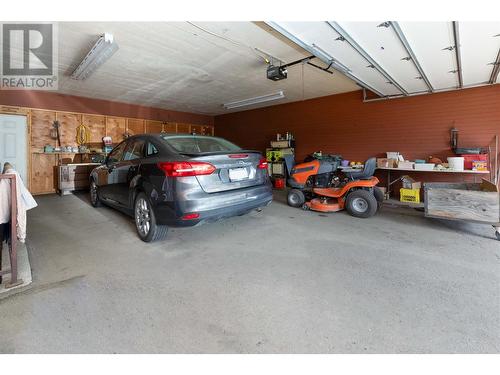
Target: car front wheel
(145, 221)
(94, 194)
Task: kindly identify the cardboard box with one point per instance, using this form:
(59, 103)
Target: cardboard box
(405, 164)
(386, 163)
(410, 183)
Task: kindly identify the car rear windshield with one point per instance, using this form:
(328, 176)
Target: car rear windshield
(200, 145)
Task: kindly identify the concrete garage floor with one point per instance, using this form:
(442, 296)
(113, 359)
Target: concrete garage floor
(283, 281)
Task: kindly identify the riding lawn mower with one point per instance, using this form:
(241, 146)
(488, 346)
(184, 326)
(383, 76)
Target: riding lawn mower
(317, 185)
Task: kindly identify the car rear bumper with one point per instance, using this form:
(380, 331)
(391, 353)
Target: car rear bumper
(213, 207)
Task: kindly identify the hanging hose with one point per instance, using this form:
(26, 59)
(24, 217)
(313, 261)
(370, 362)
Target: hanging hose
(82, 135)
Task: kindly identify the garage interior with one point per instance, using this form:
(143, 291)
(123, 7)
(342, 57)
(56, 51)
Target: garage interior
(414, 278)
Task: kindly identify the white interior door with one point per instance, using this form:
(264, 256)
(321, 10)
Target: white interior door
(13, 143)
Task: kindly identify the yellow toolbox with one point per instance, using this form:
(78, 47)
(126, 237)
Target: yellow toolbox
(409, 195)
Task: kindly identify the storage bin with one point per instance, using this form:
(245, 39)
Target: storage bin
(279, 183)
(424, 166)
(456, 163)
(469, 158)
(409, 195)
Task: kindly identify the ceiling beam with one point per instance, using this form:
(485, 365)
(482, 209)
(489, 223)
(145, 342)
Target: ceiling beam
(335, 26)
(496, 70)
(402, 38)
(322, 55)
(458, 56)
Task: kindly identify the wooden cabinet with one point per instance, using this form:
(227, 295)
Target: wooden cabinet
(43, 173)
(154, 126)
(68, 123)
(183, 128)
(135, 126)
(116, 128)
(201, 130)
(97, 127)
(169, 127)
(41, 126)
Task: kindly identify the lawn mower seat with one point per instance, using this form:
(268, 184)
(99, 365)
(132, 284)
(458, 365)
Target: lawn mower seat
(366, 173)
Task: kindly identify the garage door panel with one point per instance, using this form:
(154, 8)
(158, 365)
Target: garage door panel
(383, 45)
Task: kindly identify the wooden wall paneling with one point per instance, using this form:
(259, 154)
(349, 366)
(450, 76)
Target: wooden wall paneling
(97, 127)
(116, 128)
(41, 125)
(154, 126)
(43, 176)
(170, 127)
(68, 124)
(202, 129)
(135, 126)
(14, 110)
(197, 129)
(183, 128)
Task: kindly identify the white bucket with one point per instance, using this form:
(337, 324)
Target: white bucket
(456, 163)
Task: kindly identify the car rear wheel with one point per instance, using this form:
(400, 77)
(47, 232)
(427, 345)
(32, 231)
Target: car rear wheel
(361, 203)
(145, 221)
(94, 194)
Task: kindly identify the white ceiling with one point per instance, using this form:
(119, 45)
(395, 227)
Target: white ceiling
(197, 67)
(479, 44)
(175, 65)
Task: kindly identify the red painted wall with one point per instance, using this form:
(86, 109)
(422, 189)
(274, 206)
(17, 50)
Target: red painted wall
(60, 102)
(416, 126)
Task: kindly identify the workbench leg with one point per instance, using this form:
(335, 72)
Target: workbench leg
(388, 183)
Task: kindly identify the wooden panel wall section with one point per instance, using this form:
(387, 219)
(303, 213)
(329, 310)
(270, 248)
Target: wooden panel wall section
(43, 176)
(202, 130)
(97, 126)
(154, 126)
(183, 128)
(68, 123)
(116, 128)
(170, 127)
(41, 125)
(135, 126)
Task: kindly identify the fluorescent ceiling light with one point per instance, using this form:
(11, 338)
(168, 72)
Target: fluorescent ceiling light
(102, 50)
(256, 100)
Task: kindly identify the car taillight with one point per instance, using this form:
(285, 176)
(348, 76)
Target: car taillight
(185, 169)
(262, 164)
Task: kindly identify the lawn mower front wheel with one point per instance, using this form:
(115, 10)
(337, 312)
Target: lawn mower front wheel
(296, 198)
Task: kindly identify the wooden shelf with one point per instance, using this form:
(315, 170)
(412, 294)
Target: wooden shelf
(433, 170)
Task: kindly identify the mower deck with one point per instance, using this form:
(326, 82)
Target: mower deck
(324, 205)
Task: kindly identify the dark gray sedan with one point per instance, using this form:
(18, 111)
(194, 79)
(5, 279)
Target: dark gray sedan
(180, 180)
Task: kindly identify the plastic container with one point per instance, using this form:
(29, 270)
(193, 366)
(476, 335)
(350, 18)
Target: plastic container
(469, 158)
(424, 166)
(456, 163)
(409, 195)
(344, 163)
(279, 183)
